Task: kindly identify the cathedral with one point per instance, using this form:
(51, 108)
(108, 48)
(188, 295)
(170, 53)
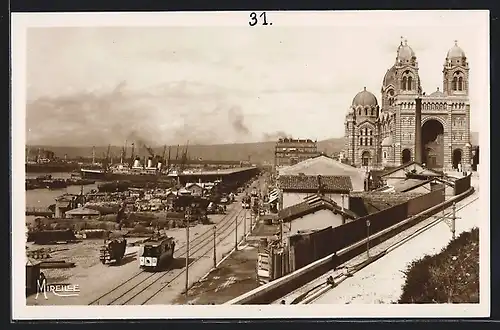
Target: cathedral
(379, 135)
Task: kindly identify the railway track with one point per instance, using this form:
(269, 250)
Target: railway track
(144, 286)
(311, 292)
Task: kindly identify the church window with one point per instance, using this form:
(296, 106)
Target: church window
(371, 141)
(385, 154)
(360, 141)
(460, 84)
(359, 112)
(366, 112)
(454, 84)
(403, 83)
(409, 83)
(371, 132)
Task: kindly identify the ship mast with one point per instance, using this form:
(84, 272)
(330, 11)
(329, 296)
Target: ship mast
(132, 155)
(93, 155)
(168, 162)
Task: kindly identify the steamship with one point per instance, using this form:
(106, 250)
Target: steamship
(123, 172)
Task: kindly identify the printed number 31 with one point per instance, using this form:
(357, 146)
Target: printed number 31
(254, 19)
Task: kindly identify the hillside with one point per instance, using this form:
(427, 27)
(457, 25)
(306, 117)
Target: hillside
(256, 152)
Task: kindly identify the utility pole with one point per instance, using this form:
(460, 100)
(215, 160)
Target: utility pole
(368, 238)
(215, 245)
(453, 218)
(236, 233)
(188, 216)
(280, 208)
(245, 223)
(450, 220)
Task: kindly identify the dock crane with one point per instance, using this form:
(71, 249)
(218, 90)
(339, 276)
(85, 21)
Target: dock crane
(168, 161)
(132, 155)
(184, 158)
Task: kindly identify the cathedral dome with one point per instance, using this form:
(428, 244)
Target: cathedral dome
(405, 53)
(365, 98)
(390, 77)
(455, 52)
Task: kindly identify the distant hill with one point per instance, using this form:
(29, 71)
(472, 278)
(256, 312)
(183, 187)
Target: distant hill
(257, 152)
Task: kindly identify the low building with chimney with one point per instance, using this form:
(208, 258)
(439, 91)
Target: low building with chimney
(315, 212)
(409, 125)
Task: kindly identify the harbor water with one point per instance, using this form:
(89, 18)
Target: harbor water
(46, 197)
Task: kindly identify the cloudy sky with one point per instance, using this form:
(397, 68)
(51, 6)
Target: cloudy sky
(214, 84)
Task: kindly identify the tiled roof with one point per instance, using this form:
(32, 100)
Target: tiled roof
(312, 205)
(312, 183)
(326, 166)
(411, 167)
(409, 184)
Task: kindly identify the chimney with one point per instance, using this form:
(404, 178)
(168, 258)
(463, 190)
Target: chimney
(320, 188)
(418, 130)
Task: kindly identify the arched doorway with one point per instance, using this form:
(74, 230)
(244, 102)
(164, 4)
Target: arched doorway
(365, 158)
(433, 144)
(457, 158)
(406, 156)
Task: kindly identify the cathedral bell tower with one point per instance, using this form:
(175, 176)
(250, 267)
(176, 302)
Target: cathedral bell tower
(456, 72)
(407, 78)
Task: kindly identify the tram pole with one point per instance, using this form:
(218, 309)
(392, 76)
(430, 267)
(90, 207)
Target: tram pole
(215, 245)
(368, 238)
(453, 219)
(188, 215)
(245, 223)
(236, 233)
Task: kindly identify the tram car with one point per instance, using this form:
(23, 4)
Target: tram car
(113, 250)
(158, 253)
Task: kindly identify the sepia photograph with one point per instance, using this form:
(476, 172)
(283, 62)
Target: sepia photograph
(238, 164)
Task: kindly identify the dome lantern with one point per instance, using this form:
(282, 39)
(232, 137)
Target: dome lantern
(405, 54)
(455, 52)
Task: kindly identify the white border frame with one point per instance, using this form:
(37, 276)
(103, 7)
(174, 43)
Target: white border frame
(20, 22)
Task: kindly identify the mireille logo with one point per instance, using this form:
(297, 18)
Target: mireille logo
(60, 290)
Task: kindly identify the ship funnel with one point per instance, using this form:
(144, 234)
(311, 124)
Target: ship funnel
(137, 163)
(150, 163)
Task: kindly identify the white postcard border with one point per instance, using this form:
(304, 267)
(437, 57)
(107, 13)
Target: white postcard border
(21, 21)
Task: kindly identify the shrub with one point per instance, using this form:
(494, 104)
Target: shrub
(452, 276)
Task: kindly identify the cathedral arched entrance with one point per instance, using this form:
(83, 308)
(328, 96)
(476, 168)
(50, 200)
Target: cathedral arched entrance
(406, 156)
(433, 144)
(365, 158)
(457, 158)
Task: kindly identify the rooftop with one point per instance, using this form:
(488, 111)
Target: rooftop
(304, 182)
(409, 184)
(327, 166)
(312, 204)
